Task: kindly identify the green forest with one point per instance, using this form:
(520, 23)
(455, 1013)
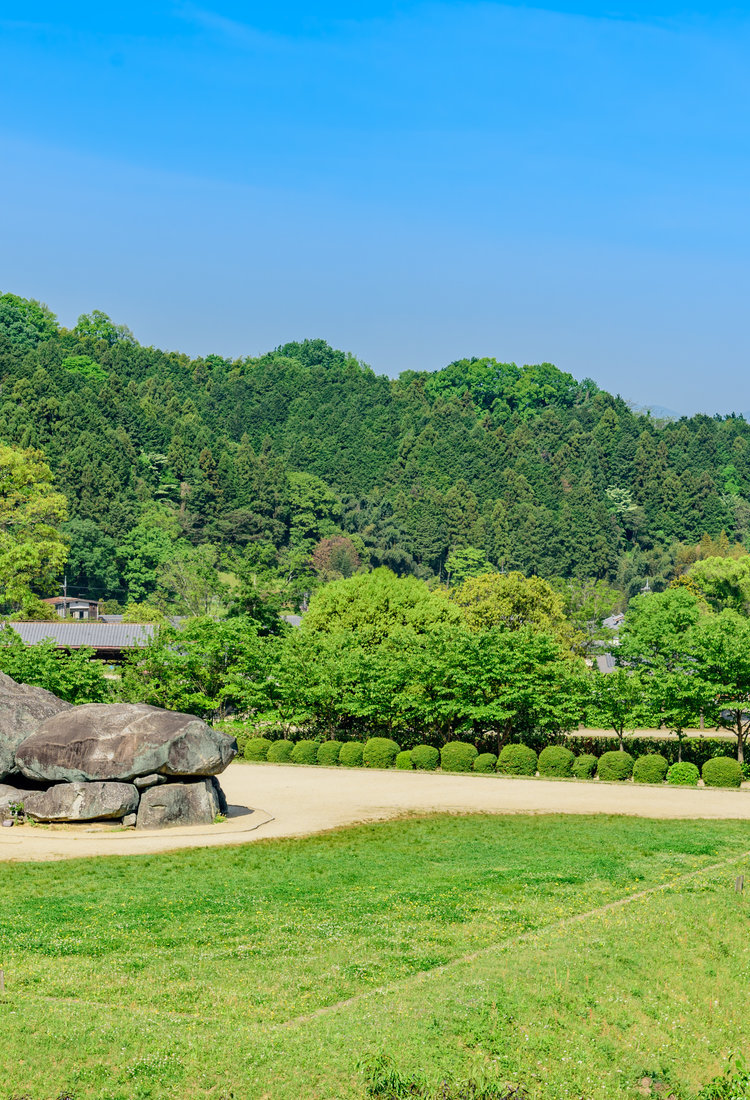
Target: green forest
(302, 464)
(455, 540)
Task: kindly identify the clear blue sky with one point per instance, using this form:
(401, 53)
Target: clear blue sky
(414, 182)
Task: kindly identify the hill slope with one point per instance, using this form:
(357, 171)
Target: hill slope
(535, 469)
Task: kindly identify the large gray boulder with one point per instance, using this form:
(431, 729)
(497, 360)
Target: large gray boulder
(81, 802)
(23, 708)
(10, 796)
(121, 741)
(194, 803)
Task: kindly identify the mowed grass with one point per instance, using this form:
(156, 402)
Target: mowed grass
(270, 970)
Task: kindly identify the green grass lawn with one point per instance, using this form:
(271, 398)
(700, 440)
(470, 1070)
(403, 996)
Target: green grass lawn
(225, 973)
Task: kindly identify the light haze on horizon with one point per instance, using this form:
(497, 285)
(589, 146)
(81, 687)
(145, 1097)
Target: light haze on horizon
(416, 183)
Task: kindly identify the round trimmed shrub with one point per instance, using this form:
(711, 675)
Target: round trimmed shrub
(403, 761)
(380, 752)
(517, 760)
(683, 774)
(616, 766)
(425, 758)
(722, 771)
(485, 762)
(305, 752)
(351, 754)
(457, 756)
(280, 752)
(651, 768)
(256, 748)
(556, 760)
(328, 753)
(584, 766)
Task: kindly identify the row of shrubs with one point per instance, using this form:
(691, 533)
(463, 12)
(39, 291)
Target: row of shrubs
(460, 756)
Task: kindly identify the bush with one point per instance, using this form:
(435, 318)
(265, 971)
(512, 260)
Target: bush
(556, 760)
(650, 768)
(722, 771)
(351, 754)
(517, 760)
(280, 752)
(425, 758)
(256, 748)
(683, 774)
(734, 1084)
(485, 762)
(305, 752)
(615, 765)
(584, 766)
(403, 761)
(328, 753)
(457, 756)
(380, 752)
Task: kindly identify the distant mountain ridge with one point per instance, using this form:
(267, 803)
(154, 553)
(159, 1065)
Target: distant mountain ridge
(160, 453)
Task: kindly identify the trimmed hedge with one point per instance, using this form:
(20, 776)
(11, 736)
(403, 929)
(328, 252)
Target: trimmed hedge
(697, 750)
(556, 760)
(351, 754)
(425, 758)
(328, 753)
(722, 771)
(517, 760)
(403, 761)
(380, 752)
(651, 768)
(615, 766)
(256, 748)
(305, 752)
(485, 762)
(457, 756)
(683, 774)
(584, 766)
(280, 752)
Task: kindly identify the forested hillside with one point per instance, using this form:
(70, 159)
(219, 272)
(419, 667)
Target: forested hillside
(304, 459)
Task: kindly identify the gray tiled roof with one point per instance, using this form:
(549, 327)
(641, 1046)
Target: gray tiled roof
(98, 635)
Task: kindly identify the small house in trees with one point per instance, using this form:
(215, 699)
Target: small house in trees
(74, 607)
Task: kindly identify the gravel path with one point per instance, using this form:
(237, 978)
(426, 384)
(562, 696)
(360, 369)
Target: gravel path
(289, 800)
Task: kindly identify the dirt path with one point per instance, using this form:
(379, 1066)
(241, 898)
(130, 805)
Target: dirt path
(288, 800)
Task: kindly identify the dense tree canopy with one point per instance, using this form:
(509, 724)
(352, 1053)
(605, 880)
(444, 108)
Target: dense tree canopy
(482, 465)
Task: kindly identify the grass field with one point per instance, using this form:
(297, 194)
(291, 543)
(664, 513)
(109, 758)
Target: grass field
(270, 970)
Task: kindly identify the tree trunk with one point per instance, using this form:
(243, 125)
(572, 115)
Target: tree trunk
(740, 739)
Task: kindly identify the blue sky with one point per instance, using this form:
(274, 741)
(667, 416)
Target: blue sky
(414, 182)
